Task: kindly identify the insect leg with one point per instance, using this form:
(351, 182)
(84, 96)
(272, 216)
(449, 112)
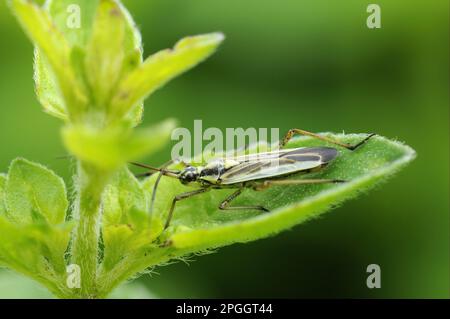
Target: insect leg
(295, 131)
(225, 204)
(181, 197)
(267, 184)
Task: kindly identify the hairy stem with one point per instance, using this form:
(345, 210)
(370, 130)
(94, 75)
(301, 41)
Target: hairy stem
(91, 183)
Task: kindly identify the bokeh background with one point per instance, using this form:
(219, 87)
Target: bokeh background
(311, 64)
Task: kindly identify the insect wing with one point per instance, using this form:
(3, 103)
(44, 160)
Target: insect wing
(278, 163)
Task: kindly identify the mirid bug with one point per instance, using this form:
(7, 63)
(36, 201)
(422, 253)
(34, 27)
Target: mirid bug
(255, 171)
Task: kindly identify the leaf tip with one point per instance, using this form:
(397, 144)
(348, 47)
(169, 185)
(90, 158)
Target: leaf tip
(218, 37)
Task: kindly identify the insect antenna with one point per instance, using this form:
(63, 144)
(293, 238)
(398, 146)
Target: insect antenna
(163, 171)
(144, 174)
(63, 157)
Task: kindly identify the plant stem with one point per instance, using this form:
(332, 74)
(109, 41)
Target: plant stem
(91, 183)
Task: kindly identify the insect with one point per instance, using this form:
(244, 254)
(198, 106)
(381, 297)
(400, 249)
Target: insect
(254, 171)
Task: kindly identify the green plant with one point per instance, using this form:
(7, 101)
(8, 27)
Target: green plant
(94, 79)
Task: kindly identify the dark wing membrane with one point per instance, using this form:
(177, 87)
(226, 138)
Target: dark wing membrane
(257, 156)
(324, 154)
(272, 164)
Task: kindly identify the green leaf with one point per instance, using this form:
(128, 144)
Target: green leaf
(55, 31)
(111, 148)
(199, 224)
(47, 90)
(125, 224)
(160, 68)
(30, 197)
(2, 194)
(63, 15)
(17, 249)
(64, 11)
(36, 250)
(117, 241)
(107, 51)
(113, 46)
(66, 14)
(53, 241)
(33, 189)
(51, 43)
(121, 197)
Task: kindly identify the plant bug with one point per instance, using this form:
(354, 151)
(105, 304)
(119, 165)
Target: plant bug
(255, 171)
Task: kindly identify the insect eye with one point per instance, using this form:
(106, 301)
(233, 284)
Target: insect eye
(189, 175)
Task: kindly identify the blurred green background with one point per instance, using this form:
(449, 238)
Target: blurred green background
(290, 63)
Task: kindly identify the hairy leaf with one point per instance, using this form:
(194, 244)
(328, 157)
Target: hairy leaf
(74, 18)
(47, 90)
(121, 196)
(199, 224)
(160, 68)
(36, 250)
(53, 45)
(17, 250)
(62, 29)
(34, 192)
(126, 224)
(65, 15)
(107, 51)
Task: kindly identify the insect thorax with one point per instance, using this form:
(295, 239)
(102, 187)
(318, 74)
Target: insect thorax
(212, 171)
